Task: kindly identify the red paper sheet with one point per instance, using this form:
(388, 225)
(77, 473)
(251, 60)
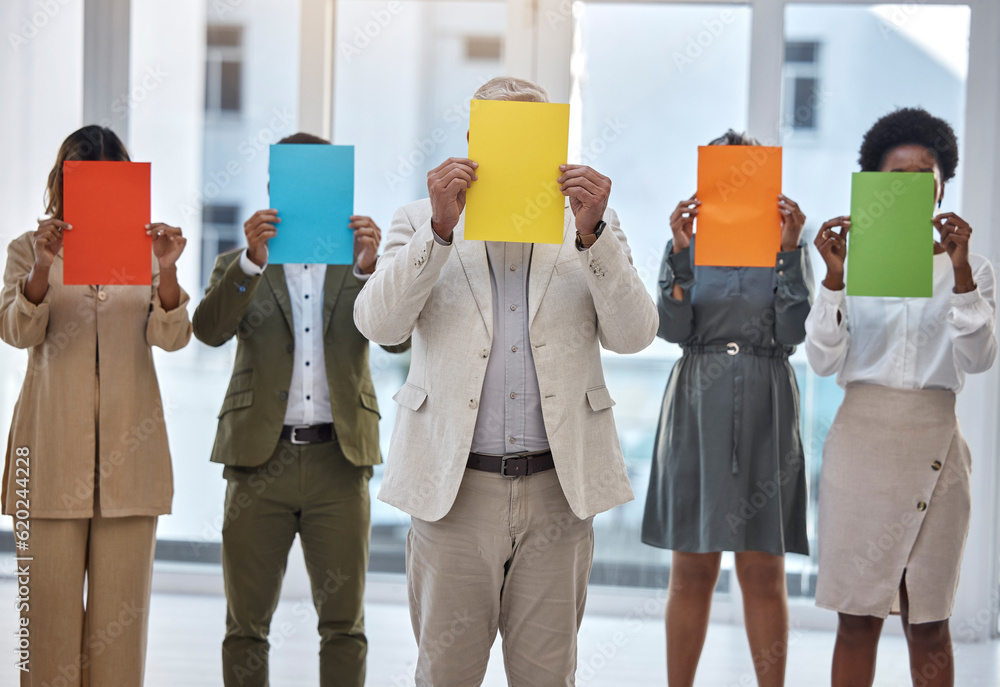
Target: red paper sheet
(107, 203)
(738, 221)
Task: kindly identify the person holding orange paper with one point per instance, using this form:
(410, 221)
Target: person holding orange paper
(87, 467)
(728, 465)
(894, 492)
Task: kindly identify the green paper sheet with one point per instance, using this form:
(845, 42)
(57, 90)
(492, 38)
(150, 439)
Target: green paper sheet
(890, 247)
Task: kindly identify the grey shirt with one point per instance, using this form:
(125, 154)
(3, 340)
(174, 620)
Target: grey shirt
(510, 407)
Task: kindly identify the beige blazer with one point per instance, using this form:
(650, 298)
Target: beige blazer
(57, 416)
(441, 295)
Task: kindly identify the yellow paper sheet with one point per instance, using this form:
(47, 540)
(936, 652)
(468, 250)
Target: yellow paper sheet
(519, 147)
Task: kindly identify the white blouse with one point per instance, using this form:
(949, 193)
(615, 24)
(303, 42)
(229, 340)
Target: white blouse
(907, 343)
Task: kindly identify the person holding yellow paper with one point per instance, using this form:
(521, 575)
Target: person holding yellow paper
(505, 445)
(894, 493)
(728, 468)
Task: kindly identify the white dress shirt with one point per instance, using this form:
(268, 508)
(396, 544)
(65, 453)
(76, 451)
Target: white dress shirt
(907, 343)
(309, 392)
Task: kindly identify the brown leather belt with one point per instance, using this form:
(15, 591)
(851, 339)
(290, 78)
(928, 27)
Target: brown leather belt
(308, 434)
(512, 464)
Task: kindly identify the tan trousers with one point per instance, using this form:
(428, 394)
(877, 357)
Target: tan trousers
(102, 643)
(510, 555)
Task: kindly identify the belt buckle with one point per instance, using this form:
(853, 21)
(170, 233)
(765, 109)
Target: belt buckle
(522, 456)
(295, 429)
(732, 348)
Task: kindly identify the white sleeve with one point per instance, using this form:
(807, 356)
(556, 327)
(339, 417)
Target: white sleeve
(972, 323)
(827, 338)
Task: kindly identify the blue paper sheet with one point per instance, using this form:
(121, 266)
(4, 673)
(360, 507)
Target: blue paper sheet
(312, 188)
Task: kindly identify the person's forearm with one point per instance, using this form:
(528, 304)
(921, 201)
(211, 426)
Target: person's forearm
(37, 284)
(170, 290)
(834, 280)
(964, 281)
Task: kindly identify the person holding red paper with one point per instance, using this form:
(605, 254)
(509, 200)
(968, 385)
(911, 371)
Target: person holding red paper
(728, 464)
(894, 491)
(87, 461)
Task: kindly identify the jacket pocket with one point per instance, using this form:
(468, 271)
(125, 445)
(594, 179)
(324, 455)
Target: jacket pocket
(370, 402)
(599, 398)
(242, 399)
(567, 266)
(410, 397)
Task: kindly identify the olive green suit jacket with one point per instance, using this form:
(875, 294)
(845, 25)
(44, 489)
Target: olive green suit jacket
(256, 310)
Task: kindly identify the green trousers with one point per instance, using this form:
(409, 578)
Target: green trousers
(311, 490)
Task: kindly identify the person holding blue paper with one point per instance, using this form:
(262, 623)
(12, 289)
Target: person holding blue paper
(728, 470)
(894, 493)
(505, 444)
(88, 467)
(298, 435)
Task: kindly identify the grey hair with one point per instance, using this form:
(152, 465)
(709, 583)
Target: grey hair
(733, 138)
(511, 88)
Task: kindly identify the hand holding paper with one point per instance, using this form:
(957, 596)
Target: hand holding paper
(519, 148)
(832, 246)
(367, 236)
(261, 227)
(48, 240)
(447, 185)
(682, 222)
(168, 243)
(588, 194)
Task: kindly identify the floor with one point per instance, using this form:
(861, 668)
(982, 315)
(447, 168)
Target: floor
(616, 649)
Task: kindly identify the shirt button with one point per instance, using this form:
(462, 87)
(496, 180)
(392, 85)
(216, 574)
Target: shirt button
(308, 398)
(513, 349)
(513, 395)
(307, 329)
(781, 261)
(513, 268)
(513, 307)
(936, 465)
(781, 273)
(485, 353)
(306, 266)
(921, 506)
(307, 363)
(307, 295)
(511, 440)
(103, 296)
(472, 403)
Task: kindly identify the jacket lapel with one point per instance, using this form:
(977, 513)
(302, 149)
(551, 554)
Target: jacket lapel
(275, 276)
(543, 263)
(472, 255)
(332, 286)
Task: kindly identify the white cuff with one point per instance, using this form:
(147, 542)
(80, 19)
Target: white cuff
(248, 266)
(830, 297)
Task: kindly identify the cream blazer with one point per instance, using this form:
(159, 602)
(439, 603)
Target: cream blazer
(578, 301)
(58, 417)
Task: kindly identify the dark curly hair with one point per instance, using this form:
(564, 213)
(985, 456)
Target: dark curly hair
(910, 126)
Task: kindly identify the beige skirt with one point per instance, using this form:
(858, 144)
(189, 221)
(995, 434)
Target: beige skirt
(894, 500)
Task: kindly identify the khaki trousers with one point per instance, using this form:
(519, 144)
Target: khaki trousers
(315, 492)
(509, 556)
(102, 643)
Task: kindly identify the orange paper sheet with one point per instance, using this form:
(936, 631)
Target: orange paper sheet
(107, 203)
(738, 222)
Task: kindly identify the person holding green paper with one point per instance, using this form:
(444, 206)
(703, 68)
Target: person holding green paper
(894, 495)
(727, 471)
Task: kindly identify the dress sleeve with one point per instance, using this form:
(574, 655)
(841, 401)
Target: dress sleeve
(22, 323)
(827, 336)
(793, 295)
(972, 323)
(676, 316)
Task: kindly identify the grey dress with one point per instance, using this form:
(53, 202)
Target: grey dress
(728, 467)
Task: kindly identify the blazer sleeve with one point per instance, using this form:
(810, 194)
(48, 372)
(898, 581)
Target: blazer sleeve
(230, 292)
(24, 324)
(676, 317)
(793, 295)
(170, 330)
(388, 306)
(626, 316)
